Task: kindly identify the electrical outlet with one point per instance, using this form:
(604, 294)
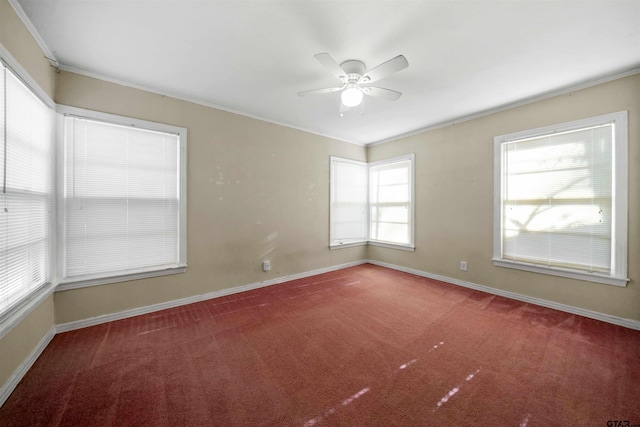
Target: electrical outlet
(266, 265)
(463, 265)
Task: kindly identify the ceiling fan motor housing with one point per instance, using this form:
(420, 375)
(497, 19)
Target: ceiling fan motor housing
(354, 69)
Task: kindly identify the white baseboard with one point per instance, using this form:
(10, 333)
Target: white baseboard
(70, 326)
(8, 387)
(628, 323)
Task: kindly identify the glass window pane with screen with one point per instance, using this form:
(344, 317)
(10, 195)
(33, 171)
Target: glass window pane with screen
(557, 204)
(121, 199)
(26, 138)
(561, 199)
(348, 201)
(390, 202)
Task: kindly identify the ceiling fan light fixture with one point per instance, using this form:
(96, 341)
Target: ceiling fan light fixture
(353, 73)
(352, 96)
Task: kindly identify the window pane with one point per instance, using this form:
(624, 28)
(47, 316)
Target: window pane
(399, 214)
(392, 174)
(25, 202)
(391, 232)
(351, 179)
(390, 202)
(348, 201)
(122, 202)
(557, 199)
(391, 193)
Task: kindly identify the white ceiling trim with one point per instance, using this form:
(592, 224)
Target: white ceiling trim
(34, 33)
(460, 119)
(193, 101)
(505, 107)
(323, 128)
(54, 62)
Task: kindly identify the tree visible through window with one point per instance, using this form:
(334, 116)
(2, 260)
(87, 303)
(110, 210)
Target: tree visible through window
(561, 196)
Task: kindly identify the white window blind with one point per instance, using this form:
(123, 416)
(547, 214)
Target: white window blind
(26, 126)
(390, 201)
(348, 201)
(560, 207)
(121, 199)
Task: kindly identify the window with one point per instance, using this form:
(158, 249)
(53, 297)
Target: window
(372, 203)
(119, 210)
(26, 135)
(123, 209)
(561, 200)
(391, 201)
(348, 202)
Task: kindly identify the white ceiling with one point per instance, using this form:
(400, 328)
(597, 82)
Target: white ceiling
(252, 57)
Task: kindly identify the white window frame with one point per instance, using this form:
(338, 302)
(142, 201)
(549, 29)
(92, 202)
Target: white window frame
(99, 279)
(336, 241)
(21, 308)
(337, 244)
(618, 274)
(411, 209)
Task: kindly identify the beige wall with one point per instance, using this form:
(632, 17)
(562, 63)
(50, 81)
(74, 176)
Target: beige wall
(22, 339)
(454, 199)
(243, 207)
(258, 190)
(18, 343)
(255, 191)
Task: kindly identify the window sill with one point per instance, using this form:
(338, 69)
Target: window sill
(555, 271)
(409, 248)
(84, 282)
(347, 245)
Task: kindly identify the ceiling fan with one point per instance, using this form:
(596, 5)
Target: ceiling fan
(355, 78)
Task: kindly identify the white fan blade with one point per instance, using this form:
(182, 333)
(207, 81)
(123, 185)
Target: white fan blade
(330, 64)
(385, 69)
(320, 91)
(382, 93)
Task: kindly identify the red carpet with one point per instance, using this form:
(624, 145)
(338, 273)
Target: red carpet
(365, 346)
